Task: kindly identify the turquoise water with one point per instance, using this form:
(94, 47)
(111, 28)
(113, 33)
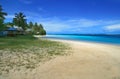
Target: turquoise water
(100, 39)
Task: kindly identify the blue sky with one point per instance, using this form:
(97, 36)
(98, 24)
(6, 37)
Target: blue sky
(69, 16)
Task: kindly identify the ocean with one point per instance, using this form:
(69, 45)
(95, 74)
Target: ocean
(110, 39)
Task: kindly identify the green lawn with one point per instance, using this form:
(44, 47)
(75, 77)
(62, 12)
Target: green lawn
(27, 52)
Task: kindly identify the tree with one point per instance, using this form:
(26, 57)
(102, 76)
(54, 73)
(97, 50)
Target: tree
(9, 24)
(30, 25)
(20, 20)
(35, 29)
(2, 17)
(38, 29)
(41, 26)
(42, 30)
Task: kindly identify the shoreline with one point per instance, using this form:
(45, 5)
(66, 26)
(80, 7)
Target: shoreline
(87, 61)
(81, 41)
(92, 39)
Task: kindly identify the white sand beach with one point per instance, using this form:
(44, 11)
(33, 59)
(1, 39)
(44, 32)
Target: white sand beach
(87, 61)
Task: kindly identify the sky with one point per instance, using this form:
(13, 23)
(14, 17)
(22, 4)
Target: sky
(68, 16)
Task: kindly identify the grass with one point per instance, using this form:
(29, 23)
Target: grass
(27, 52)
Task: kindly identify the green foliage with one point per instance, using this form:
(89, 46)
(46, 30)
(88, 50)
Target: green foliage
(2, 14)
(30, 25)
(42, 32)
(20, 20)
(24, 42)
(41, 26)
(2, 27)
(38, 29)
(9, 24)
(2, 17)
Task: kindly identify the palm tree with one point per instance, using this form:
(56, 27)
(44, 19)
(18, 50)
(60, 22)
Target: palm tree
(20, 20)
(2, 14)
(42, 30)
(30, 25)
(2, 17)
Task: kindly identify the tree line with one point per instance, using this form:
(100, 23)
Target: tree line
(21, 21)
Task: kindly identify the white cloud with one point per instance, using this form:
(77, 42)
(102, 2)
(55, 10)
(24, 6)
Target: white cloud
(54, 24)
(113, 27)
(85, 22)
(92, 23)
(26, 1)
(57, 25)
(10, 16)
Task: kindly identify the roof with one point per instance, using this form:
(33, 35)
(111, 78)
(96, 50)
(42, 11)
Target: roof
(11, 29)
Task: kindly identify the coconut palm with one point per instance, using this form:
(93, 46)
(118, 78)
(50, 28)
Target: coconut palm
(20, 20)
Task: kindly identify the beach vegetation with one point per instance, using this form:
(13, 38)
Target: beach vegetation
(37, 29)
(27, 52)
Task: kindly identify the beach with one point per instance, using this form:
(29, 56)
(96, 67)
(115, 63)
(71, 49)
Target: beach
(86, 60)
(59, 39)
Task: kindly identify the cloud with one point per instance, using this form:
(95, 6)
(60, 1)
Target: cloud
(26, 1)
(85, 22)
(73, 26)
(113, 27)
(40, 9)
(92, 23)
(60, 25)
(9, 16)
(54, 25)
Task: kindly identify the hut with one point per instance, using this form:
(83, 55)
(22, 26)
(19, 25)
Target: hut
(11, 31)
(20, 30)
